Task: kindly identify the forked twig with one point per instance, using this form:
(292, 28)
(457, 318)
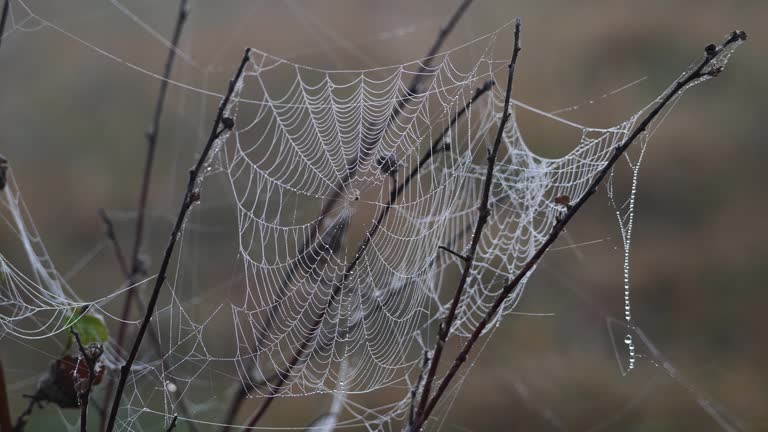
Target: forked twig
(221, 125)
(91, 356)
(711, 52)
(483, 214)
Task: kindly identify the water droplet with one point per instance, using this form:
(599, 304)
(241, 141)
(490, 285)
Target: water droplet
(628, 340)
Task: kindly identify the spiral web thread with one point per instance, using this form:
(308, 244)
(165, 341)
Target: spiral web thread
(303, 135)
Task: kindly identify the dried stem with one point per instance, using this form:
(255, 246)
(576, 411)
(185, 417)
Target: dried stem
(136, 266)
(711, 52)
(482, 219)
(91, 356)
(191, 196)
(120, 257)
(21, 421)
(172, 426)
(110, 233)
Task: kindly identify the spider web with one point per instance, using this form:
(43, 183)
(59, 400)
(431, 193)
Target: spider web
(307, 172)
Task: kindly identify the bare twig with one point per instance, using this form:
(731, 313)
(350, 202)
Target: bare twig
(110, 232)
(483, 214)
(172, 426)
(701, 71)
(415, 389)
(90, 355)
(4, 18)
(3, 172)
(153, 133)
(221, 125)
(136, 265)
(21, 421)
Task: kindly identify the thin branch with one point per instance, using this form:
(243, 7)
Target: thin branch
(220, 125)
(417, 385)
(701, 71)
(21, 421)
(153, 133)
(483, 214)
(4, 18)
(110, 232)
(172, 426)
(91, 356)
(136, 266)
(112, 237)
(454, 253)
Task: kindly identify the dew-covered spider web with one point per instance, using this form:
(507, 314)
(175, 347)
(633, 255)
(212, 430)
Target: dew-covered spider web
(342, 191)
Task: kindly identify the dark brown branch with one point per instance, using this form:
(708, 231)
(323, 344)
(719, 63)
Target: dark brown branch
(152, 135)
(191, 196)
(454, 253)
(483, 214)
(4, 18)
(136, 265)
(112, 237)
(701, 71)
(21, 421)
(415, 389)
(172, 426)
(110, 232)
(90, 355)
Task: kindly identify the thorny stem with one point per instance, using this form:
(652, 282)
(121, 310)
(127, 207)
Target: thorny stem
(397, 190)
(90, 358)
(711, 52)
(191, 196)
(483, 215)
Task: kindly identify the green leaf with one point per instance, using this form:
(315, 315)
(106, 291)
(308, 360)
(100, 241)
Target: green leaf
(91, 328)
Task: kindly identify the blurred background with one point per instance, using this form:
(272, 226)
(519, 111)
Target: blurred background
(72, 124)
